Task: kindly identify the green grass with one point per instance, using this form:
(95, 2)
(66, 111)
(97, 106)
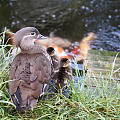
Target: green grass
(101, 102)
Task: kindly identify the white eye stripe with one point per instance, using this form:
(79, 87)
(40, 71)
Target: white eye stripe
(26, 36)
(29, 35)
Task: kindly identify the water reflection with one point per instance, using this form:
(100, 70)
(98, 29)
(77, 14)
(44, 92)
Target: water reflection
(67, 18)
(5, 14)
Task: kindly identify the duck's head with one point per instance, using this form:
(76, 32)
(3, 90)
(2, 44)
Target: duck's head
(26, 38)
(64, 62)
(50, 51)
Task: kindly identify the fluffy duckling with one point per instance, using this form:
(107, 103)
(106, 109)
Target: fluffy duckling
(64, 75)
(55, 59)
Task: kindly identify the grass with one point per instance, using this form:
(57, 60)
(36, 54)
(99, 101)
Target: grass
(100, 103)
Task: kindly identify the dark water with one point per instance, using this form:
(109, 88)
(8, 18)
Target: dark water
(70, 19)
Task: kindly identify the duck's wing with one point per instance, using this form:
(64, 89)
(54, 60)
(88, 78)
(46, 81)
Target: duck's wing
(40, 68)
(14, 83)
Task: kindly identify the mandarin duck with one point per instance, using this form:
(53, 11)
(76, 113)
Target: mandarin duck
(30, 70)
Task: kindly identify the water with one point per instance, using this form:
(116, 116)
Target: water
(70, 19)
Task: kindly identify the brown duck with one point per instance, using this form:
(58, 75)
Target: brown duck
(64, 75)
(30, 70)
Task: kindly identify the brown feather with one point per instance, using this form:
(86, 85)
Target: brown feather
(30, 72)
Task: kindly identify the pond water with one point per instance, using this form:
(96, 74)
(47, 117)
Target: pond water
(70, 19)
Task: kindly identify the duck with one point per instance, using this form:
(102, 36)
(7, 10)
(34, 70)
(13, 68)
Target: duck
(30, 70)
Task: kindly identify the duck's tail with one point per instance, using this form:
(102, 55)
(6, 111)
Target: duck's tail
(16, 98)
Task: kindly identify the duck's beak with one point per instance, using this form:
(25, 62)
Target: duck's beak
(41, 37)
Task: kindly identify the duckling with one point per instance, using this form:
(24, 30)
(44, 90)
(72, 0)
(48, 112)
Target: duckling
(64, 75)
(55, 59)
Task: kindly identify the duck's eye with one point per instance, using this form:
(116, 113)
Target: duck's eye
(33, 33)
